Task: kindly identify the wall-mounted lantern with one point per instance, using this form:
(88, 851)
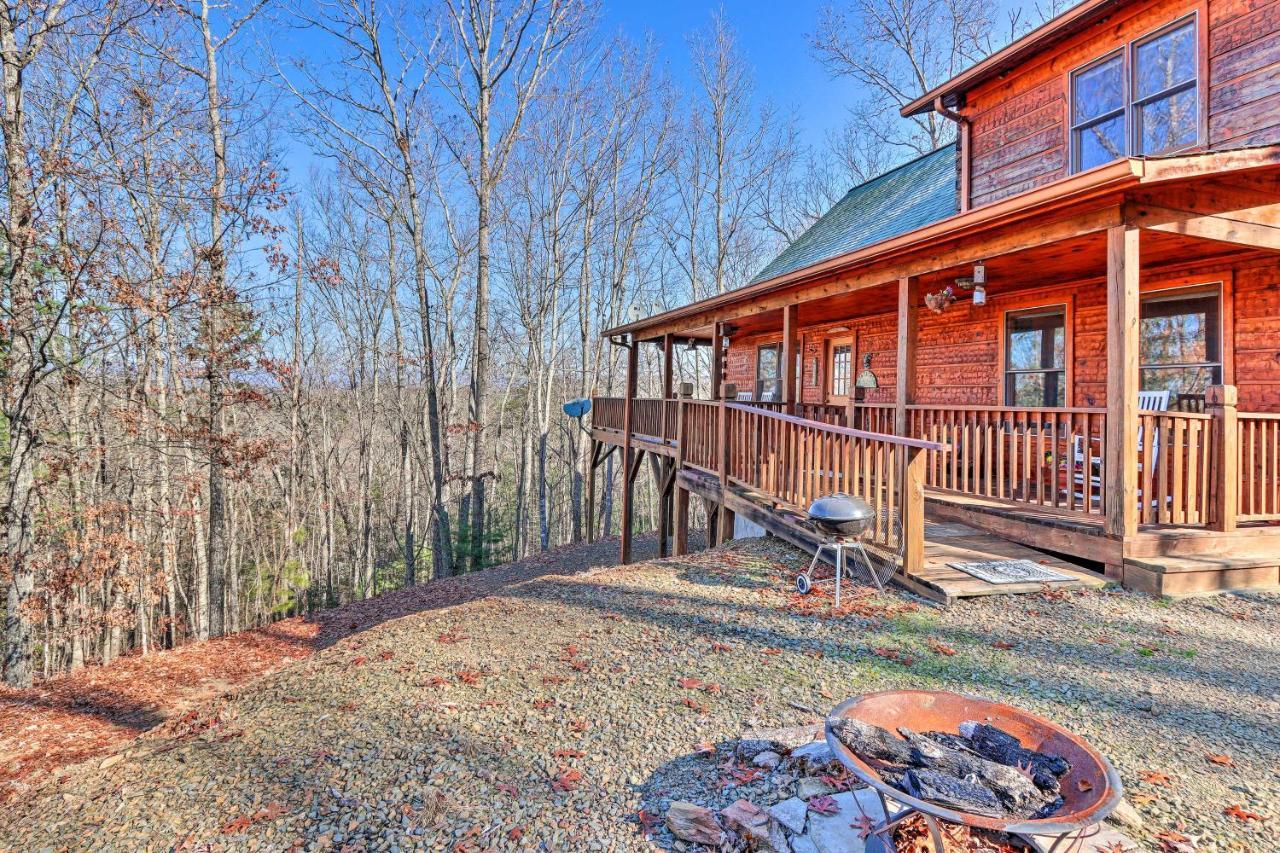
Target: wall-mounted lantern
(866, 379)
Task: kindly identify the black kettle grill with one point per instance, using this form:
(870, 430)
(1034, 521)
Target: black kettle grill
(842, 519)
(839, 514)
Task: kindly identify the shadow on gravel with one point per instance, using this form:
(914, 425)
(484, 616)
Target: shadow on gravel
(982, 660)
(356, 617)
(104, 704)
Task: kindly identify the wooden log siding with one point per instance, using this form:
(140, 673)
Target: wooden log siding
(794, 461)
(1041, 456)
(1259, 447)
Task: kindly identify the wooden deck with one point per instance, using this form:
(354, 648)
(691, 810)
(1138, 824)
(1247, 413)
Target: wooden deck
(944, 542)
(951, 542)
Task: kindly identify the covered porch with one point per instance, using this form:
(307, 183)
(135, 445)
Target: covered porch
(1111, 390)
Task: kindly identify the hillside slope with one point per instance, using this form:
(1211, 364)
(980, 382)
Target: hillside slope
(566, 711)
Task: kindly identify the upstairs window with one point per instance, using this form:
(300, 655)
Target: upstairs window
(1098, 113)
(1142, 99)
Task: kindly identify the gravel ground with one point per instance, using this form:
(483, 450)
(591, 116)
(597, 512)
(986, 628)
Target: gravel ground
(550, 713)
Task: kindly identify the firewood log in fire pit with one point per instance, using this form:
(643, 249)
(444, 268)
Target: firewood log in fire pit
(956, 771)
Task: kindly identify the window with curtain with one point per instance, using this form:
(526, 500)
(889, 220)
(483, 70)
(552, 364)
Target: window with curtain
(1142, 99)
(1036, 358)
(768, 373)
(1180, 343)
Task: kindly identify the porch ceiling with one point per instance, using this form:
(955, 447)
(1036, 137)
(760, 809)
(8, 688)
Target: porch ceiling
(1076, 260)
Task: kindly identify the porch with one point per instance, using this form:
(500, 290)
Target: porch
(1090, 371)
(1015, 474)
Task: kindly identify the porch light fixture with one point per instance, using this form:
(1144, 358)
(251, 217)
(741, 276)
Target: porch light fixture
(979, 294)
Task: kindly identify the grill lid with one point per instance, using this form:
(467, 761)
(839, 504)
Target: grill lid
(839, 508)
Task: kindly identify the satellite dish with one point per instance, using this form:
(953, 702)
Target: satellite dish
(578, 407)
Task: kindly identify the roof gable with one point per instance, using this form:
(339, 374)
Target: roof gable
(903, 199)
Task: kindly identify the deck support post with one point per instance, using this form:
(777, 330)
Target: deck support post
(908, 328)
(628, 453)
(591, 490)
(1121, 475)
(1220, 403)
(724, 529)
(790, 348)
(680, 496)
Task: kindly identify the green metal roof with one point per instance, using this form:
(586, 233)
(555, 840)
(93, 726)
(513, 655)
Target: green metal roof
(901, 200)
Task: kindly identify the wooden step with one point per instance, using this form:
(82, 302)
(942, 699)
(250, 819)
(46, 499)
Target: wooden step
(1201, 574)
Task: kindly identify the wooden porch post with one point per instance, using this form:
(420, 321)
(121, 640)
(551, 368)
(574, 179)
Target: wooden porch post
(790, 346)
(1121, 481)
(717, 361)
(1220, 402)
(913, 510)
(908, 328)
(628, 463)
(680, 545)
(668, 356)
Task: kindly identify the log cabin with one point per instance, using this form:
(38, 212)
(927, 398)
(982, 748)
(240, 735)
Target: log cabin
(1063, 329)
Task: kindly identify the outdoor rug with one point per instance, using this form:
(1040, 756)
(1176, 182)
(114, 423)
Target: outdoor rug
(1010, 571)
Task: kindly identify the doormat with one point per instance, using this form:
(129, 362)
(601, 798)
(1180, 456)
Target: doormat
(1010, 571)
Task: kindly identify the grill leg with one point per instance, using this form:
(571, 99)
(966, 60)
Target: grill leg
(840, 563)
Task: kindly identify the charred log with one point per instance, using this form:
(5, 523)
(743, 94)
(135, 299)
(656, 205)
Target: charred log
(1016, 791)
(990, 742)
(954, 793)
(870, 741)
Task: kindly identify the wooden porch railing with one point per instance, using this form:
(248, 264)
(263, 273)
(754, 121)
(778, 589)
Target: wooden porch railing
(1175, 450)
(1043, 457)
(873, 417)
(698, 433)
(793, 461)
(1259, 443)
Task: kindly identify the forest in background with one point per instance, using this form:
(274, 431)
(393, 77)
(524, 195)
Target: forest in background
(283, 330)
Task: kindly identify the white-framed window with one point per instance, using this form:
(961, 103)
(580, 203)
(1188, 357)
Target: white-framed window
(1141, 99)
(841, 369)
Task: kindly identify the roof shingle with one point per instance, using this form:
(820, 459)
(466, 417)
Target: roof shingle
(901, 200)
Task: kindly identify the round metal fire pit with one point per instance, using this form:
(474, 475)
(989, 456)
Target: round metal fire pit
(1091, 789)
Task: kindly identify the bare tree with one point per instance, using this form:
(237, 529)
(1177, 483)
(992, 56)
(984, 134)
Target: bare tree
(730, 150)
(33, 34)
(373, 121)
(496, 57)
(897, 50)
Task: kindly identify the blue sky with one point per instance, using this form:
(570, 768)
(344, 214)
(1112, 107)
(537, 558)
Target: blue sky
(773, 38)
